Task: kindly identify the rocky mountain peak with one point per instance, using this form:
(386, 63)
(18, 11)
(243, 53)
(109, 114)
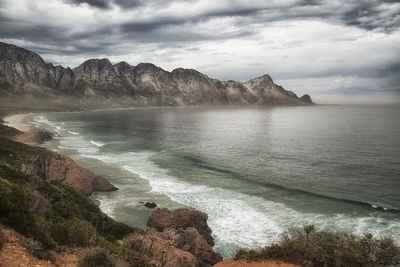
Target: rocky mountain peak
(147, 66)
(95, 63)
(12, 52)
(123, 64)
(265, 79)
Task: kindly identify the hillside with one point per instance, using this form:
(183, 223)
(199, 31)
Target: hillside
(98, 82)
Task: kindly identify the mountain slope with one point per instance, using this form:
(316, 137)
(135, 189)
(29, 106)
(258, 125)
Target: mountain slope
(23, 72)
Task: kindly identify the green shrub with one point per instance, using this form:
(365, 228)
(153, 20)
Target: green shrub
(95, 257)
(8, 131)
(12, 175)
(34, 247)
(308, 247)
(15, 153)
(132, 257)
(14, 207)
(67, 203)
(73, 232)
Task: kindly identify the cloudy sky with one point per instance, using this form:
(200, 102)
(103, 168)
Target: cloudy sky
(338, 51)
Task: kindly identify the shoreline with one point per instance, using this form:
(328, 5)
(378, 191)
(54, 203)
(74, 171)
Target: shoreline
(29, 135)
(18, 121)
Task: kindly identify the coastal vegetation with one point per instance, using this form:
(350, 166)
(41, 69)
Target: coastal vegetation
(309, 247)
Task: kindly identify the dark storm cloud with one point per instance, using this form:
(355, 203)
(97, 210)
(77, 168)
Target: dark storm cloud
(105, 4)
(94, 3)
(368, 15)
(365, 14)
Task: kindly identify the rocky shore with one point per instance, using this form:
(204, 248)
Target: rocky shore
(52, 166)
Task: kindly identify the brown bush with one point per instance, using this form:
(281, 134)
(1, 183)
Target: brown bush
(308, 247)
(95, 257)
(3, 238)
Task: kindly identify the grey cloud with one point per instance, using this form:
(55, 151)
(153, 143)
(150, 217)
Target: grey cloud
(390, 70)
(106, 4)
(94, 3)
(380, 87)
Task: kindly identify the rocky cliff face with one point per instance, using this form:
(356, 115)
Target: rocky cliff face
(23, 72)
(53, 166)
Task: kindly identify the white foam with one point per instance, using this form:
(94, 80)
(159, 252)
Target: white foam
(73, 141)
(232, 215)
(79, 144)
(74, 133)
(41, 120)
(98, 144)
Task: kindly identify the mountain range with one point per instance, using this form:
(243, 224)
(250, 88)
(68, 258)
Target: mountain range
(95, 81)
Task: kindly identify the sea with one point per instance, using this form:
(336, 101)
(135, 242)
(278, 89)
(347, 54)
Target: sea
(256, 171)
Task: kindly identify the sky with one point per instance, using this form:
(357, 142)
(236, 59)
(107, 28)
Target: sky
(338, 51)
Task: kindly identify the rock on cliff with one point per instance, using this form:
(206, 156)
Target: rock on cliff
(306, 99)
(161, 219)
(53, 166)
(176, 238)
(96, 81)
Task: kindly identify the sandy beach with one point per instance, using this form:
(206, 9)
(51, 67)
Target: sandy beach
(30, 135)
(18, 121)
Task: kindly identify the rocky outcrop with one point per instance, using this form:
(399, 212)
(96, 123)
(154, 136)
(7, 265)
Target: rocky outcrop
(306, 99)
(162, 219)
(52, 166)
(159, 251)
(189, 239)
(176, 238)
(150, 205)
(99, 82)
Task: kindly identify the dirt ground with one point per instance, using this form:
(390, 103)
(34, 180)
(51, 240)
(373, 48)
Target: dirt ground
(13, 254)
(253, 264)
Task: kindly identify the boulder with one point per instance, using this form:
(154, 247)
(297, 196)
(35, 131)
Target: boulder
(161, 219)
(190, 240)
(160, 252)
(150, 205)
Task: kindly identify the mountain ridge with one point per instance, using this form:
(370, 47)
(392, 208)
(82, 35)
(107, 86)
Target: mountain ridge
(23, 72)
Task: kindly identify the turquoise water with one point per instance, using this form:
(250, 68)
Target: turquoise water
(254, 171)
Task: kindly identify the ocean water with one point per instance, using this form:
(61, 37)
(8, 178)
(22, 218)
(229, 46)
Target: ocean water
(255, 171)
